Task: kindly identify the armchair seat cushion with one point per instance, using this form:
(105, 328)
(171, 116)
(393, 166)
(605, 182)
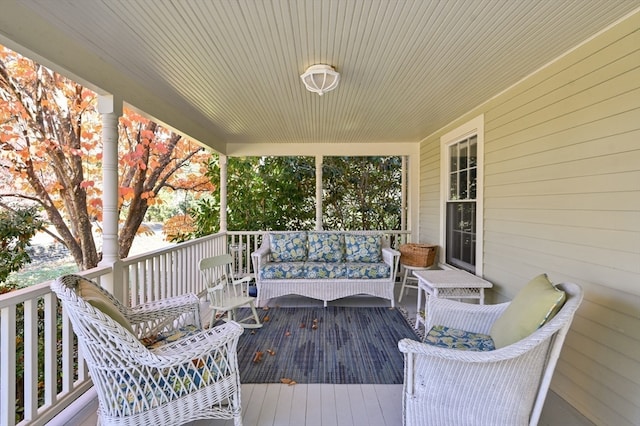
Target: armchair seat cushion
(451, 338)
(161, 339)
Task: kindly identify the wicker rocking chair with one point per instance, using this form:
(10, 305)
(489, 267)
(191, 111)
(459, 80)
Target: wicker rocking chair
(505, 386)
(152, 364)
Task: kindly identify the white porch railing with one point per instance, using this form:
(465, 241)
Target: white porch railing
(42, 344)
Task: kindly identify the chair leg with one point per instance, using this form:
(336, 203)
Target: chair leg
(404, 282)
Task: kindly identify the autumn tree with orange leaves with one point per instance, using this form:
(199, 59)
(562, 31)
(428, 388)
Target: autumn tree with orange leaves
(50, 155)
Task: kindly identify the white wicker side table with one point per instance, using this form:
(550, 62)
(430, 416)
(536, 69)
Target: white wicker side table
(447, 284)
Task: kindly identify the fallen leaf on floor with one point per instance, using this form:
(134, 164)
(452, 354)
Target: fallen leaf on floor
(287, 333)
(266, 319)
(257, 357)
(288, 381)
(314, 327)
(271, 352)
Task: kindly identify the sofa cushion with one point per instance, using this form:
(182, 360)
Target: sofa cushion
(282, 270)
(532, 307)
(366, 270)
(452, 338)
(363, 248)
(288, 246)
(322, 270)
(325, 247)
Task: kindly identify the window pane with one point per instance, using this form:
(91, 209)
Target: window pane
(461, 237)
(453, 155)
(472, 183)
(462, 186)
(453, 187)
(464, 154)
(473, 152)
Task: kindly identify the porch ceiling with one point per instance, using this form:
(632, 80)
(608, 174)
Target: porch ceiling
(227, 72)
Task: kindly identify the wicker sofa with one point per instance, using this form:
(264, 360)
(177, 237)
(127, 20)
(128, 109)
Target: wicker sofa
(325, 265)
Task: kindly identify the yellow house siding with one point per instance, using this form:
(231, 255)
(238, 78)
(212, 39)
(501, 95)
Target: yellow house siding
(562, 196)
(429, 194)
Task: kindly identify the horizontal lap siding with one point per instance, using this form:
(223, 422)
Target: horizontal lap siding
(562, 196)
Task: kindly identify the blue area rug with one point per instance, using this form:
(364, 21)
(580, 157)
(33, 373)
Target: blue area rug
(337, 345)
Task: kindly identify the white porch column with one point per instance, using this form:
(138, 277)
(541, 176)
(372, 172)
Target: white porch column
(403, 186)
(319, 162)
(110, 110)
(223, 193)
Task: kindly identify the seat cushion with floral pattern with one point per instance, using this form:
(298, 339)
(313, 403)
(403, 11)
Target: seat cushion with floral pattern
(372, 271)
(320, 270)
(446, 337)
(282, 270)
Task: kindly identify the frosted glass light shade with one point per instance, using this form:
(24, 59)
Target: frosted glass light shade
(320, 78)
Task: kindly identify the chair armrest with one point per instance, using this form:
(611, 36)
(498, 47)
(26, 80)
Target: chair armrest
(463, 316)
(260, 257)
(153, 317)
(391, 257)
(243, 283)
(199, 345)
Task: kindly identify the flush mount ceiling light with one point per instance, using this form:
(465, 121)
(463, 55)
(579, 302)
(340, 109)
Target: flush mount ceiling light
(320, 78)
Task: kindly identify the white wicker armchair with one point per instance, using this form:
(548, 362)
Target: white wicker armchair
(506, 386)
(182, 374)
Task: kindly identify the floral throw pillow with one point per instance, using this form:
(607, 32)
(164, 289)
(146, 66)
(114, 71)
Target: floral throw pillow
(362, 248)
(325, 247)
(288, 246)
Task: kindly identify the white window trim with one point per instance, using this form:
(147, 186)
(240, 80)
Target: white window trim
(472, 127)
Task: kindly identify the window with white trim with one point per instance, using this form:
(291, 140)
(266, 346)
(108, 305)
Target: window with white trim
(461, 204)
(462, 198)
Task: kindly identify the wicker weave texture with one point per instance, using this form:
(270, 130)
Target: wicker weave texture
(192, 378)
(507, 386)
(419, 255)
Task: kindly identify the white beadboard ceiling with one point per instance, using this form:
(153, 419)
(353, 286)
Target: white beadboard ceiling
(227, 71)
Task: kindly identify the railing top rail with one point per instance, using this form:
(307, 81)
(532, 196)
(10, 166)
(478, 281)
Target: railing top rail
(16, 297)
(164, 250)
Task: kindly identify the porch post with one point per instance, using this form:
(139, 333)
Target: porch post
(223, 193)
(403, 191)
(319, 161)
(110, 110)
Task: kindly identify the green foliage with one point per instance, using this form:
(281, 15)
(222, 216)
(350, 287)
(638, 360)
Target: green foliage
(17, 227)
(274, 193)
(278, 193)
(362, 193)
